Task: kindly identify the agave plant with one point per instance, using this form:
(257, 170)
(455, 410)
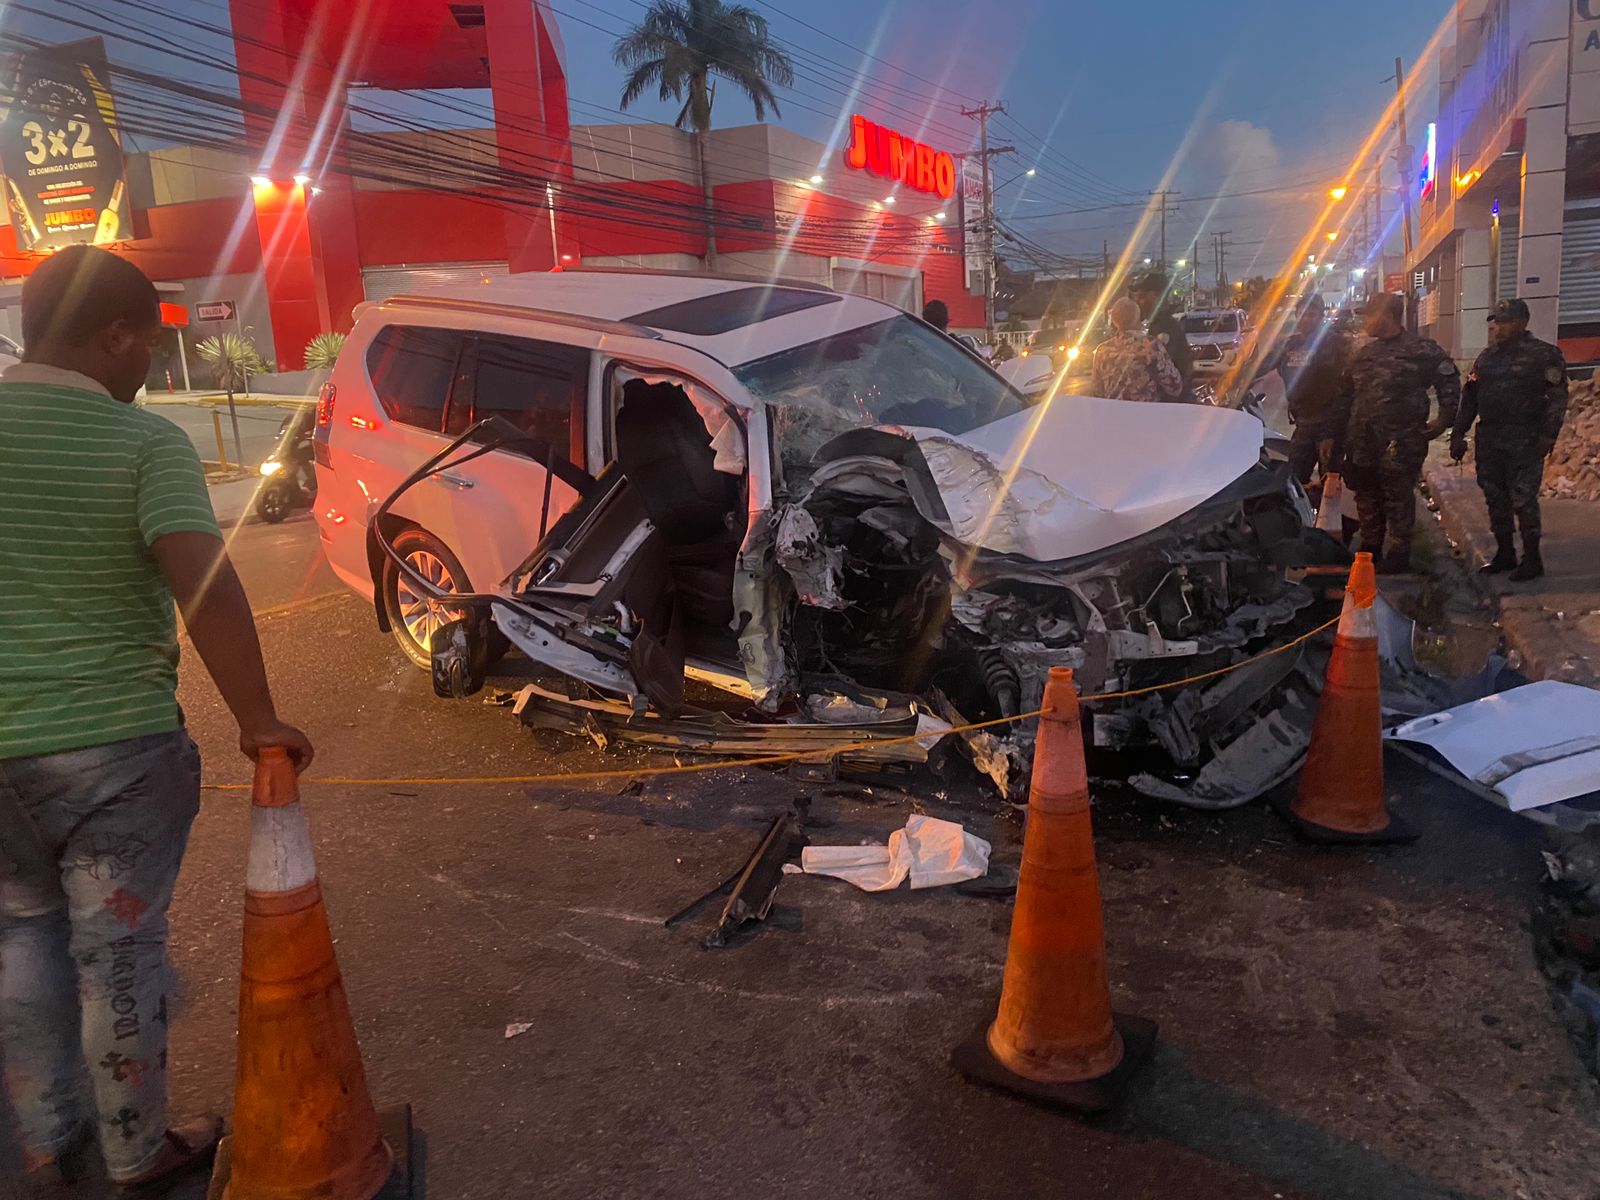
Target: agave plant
(234, 357)
(322, 350)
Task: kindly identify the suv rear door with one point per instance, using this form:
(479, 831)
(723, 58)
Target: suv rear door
(501, 505)
(387, 416)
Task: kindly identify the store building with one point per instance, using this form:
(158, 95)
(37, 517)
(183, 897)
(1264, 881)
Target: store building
(297, 236)
(1508, 191)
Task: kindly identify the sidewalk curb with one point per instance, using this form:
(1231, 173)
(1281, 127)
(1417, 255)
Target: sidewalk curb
(1454, 496)
(220, 399)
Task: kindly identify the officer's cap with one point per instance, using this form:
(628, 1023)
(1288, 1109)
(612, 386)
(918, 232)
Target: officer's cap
(1509, 310)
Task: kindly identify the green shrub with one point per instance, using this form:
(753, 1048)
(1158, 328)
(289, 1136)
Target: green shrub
(322, 350)
(233, 357)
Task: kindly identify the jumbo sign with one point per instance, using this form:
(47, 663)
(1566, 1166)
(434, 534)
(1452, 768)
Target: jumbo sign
(894, 156)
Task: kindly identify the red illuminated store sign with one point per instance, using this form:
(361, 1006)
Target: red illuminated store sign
(887, 153)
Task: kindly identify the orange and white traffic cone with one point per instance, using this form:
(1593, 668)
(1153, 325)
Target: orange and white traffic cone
(1331, 506)
(1341, 785)
(303, 1122)
(1055, 1038)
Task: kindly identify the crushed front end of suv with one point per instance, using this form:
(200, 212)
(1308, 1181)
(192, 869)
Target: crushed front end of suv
(876, 536)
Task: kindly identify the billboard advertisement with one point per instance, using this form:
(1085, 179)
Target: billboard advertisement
(59, 148)
(970, 196)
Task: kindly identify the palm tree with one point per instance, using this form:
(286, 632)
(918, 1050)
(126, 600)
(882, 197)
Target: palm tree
(677, 49)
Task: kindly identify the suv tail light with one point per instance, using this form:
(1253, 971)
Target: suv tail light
(325, 400)
(319, 438)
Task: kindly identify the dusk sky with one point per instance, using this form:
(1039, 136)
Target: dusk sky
(1249, 96)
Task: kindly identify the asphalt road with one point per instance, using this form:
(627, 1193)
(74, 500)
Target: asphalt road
(1363, 1024)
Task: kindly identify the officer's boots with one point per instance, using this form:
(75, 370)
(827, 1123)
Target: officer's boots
(1531, 566)
(1505, 557)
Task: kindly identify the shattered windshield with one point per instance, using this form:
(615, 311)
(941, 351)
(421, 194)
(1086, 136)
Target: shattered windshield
(896, 372)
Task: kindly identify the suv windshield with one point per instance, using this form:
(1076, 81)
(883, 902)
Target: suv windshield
(1211, 323)
(897, 372)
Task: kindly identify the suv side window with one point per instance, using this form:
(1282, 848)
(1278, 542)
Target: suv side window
(540, 387)
(412, 368)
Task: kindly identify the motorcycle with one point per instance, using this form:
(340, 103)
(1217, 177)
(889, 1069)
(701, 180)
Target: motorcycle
(289, 475)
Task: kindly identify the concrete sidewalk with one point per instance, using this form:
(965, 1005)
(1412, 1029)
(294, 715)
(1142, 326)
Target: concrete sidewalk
(1554, 622)
(233, 497)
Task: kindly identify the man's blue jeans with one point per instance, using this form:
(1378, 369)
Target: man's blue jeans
(90, 843)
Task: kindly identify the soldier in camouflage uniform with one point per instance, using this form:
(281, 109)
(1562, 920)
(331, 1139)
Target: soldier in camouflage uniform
(1517, 393)
(1389, 432)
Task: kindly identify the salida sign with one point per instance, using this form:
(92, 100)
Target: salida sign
(895, 156)
(59, 149)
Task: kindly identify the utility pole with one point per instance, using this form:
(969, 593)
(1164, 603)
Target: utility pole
(1105, 263)
(985, 231)
(1163, 196)
(1220, 239)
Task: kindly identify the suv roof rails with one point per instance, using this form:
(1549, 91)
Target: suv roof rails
(549, 316)
(805, 285)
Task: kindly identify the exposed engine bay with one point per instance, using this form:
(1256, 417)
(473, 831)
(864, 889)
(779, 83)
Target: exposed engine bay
(883, 599)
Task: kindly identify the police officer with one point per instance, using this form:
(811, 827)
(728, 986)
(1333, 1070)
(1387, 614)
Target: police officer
(1312, 362)
(1517, 392)
(1389, 431)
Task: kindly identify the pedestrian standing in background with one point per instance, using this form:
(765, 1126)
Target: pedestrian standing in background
(1150, 294)
(937, 314)
(1131, 366)
(1312, 362)
(107, 519)
(1389, 431)
(1517, 393)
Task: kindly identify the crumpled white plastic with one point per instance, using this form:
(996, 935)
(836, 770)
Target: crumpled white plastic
(928, 851)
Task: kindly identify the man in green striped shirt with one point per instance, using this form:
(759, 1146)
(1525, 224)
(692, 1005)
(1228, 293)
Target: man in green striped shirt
(104, 521)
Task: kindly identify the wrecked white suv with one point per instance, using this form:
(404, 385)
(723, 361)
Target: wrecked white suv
(843, 520)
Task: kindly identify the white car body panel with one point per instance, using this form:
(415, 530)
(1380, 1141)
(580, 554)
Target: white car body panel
(1531, 746)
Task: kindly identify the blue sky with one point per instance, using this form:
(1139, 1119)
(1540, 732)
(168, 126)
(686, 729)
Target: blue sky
(1244, 95)
(1263, 92)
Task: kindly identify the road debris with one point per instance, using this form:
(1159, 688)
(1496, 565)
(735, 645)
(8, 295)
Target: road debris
(928, 851)
(517, 1029)
(756, 884)
(1534, 749)
(717, 734)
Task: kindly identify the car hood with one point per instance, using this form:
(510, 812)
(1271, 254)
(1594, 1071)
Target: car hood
(1078, 474)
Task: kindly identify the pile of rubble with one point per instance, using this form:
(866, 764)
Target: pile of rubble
(1573, 469)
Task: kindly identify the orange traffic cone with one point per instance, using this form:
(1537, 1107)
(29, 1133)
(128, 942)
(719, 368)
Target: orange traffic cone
(303, 1121)
(1341, 785)
(1331, 507)
(1056, 1039)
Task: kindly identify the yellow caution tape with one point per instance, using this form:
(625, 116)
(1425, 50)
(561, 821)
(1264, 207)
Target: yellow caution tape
(767, 760)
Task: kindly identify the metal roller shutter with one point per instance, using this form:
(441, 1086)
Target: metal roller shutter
(1506, 281)
(380, 283)
(1580, 265)
(899, 290)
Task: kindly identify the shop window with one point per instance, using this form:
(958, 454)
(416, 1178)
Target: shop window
(412, 368)
(539, 387)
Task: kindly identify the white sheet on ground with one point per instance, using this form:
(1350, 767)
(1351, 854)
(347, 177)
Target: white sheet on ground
(928, 851)
(1533, 745)
(1089, 473)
